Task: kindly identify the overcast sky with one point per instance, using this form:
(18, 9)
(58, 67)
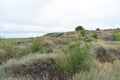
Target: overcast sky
(58, 15)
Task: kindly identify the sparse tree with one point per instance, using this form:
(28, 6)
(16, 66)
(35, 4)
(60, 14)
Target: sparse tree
(78, 28)
(97, 29)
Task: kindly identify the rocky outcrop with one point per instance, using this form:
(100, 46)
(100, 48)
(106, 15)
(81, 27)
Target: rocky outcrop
(102, 54)
(39, 70)
(109, 38)
(106, 55)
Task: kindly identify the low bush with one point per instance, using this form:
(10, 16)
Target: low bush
(9, 49)
(82, 32)
(6, 50)
(76, 59)
(95, 35)
(36, 46)
(117, 36)
(48, 43)
(86, 39)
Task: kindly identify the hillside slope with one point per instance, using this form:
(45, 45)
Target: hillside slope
(62, 56)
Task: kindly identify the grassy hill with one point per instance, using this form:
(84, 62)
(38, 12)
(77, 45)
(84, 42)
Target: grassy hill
(77, 55)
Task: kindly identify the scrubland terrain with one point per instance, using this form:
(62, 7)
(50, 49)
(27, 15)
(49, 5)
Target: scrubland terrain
(77, 55)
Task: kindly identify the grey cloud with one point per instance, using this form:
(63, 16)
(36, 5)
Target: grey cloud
(62, 14)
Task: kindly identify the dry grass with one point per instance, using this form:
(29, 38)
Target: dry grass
(107, 44)
(31, 58)
(107, 71)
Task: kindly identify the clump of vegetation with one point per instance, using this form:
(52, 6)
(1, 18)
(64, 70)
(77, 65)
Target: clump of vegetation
(95, 35)
(6, 50)
(118, 28)
(117, 35)
(86, 39)
(97, 29)
(48, 46)
(78, 28)
(36, 46)
(48, 43)
(10, 49)
(82, 32)
(76, 59)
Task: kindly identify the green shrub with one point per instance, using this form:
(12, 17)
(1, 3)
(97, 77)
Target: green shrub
(6, 50)
(22, 51)
(86, 39)
(117, 36)
(36, 46)
(76, 59)
(95, 35)
(82, 32)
